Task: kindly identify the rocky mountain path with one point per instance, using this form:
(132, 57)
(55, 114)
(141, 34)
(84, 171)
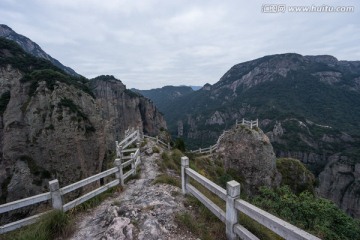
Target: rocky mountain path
(142, 211)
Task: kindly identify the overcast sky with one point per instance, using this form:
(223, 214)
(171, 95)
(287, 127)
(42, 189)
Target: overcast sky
(153, 43)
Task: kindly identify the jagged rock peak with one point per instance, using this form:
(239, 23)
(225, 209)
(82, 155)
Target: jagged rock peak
(206, 87)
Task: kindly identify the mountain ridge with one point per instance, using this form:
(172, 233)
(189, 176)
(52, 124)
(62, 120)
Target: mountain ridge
(32, 48)
(309, 106)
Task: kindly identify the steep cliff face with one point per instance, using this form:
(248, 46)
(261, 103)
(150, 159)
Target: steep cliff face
(51, 134)
(124, 108)
(340, 182)
(250, 154)
(55, 126)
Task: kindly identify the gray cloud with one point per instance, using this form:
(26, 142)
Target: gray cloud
(151, 43)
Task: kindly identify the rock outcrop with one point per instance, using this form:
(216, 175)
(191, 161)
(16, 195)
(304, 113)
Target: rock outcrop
(54, 126)
(249, 153)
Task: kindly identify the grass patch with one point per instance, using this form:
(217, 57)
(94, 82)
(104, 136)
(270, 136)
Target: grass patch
(203, 223)
(167, 179)
(55, 224)
(155, 149)
(170, 160)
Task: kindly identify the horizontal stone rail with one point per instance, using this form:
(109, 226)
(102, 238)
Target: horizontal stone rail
(163, 144)
(128, 138)
(207, 150)
(87, 196)
(129, 150)
(234, 205)
(250, 123)
(87, 181)
(56, 193)
(21, 223)
(25, 202)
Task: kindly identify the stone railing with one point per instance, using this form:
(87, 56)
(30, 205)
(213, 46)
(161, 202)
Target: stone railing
(56, 194)
(250, 123)
(163, 144)
(234, 205)
(211, 149)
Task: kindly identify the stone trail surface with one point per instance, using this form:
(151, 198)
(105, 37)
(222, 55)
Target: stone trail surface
(143, 211)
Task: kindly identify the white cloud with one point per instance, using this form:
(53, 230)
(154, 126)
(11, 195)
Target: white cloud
(151, 43)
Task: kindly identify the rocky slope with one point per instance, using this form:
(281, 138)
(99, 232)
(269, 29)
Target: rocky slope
(307, 105)
(142, 211)
(53, 125)
(163, 96)
(32, 48)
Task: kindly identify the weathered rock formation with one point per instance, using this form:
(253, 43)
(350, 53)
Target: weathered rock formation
(249, 153)
(53, 126)
(340, 182)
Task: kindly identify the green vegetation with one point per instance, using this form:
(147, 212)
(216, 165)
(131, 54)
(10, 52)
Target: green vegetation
(295, 175)
(55, 224)
(317, 215)
(167, 179)
(179, 144)
(155, 149)
(4, 100)
(37, 69)
(170, 160)
(68, 103)
(295, 205)
(203, 224)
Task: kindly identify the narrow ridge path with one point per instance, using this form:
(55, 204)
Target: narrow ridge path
(143, 211)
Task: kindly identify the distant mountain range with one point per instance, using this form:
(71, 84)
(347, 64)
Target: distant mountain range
(309, 106)
(32, 48)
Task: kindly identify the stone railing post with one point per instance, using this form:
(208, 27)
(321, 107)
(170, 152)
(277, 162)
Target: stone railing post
(232, 192)
(138, 136)
(117, 148)
(243, 121)
(133, 163)
(184, 177)
(157, 139)
(169, 146)
(56, 197)
(119, 174)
